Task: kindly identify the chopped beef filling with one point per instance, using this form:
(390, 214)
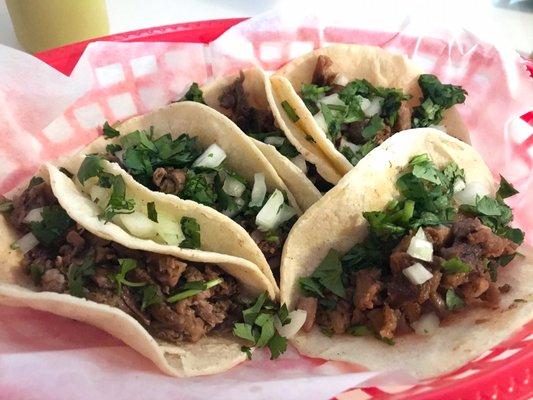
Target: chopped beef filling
(85, 265)
(383, 299)
(170, 180)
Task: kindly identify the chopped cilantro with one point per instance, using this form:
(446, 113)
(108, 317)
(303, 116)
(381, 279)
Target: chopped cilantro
(6, 205)
(277, 345)
(194, 93)
(455, 265)
(118, 204)
(283, 315)
(244, 331)
(355, 157)
(76, 276)
(505, 190)
(126, 265)
(198, 189)
(291, 113)
(327, 331)
(151, 211)
(151, 296)
(109, 131)
(358, 330)
(248, 351)
(328, 275)
(191, 231)
(66, 172)
(453, 302)
(373, 127)
(190, 289)
(310, 95)
(90, 167)
(36, 273)
(53, 226)
(34, 181)
(113, 148)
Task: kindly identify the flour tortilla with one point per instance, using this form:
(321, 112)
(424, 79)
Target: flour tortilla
(369, 187)
(219, 233)
(374, 64)
(257, 86)
(210, 355)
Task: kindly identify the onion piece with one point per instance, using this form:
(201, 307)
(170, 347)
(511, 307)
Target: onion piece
(26, 243)
(371, 107)
(212, 157)
(258, 191)
(321, 121)
(169, 230)
(333, 100)
(459, 185)
(417, 274)
(352, 146)
(469, 194)
(233, 187)
(439, 127)
(299, 161)
(99, 195)
(420, 248)
(274, 140)
(427, 324)
(267, 217)
(137, 224)
(341, 80)
(35, 215)
(297, 321)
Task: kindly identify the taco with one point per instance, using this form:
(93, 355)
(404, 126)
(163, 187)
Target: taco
(183, 308)
(197, 156)
(412, 266)
(244, 99)
(347, 99)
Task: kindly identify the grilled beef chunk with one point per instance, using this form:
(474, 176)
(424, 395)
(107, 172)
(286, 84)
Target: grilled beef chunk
(383, 299)
(324, 73)
(92, 264)
(169, 180)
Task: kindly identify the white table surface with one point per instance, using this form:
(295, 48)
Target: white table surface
(514, 28)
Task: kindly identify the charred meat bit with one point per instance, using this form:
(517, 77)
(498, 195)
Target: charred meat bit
(324, 73)
(404, 118)
(169, 180)
(166, 269)
(308, 304)
(367, 288)
(36, 196)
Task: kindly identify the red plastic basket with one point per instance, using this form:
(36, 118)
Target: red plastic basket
(503, 373)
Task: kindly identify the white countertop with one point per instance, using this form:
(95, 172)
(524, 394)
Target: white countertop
(514, 28)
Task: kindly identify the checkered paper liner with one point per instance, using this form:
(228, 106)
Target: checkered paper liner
(125, 79)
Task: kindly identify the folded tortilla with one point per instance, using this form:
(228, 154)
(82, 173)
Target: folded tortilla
(378, 66)
(212, 354)
(258, 89)
(339, 214)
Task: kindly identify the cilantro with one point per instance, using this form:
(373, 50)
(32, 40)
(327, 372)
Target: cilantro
(113, 148)
(118, 204)
(277, 345)
(151, 211)
(126, 265)
(194, 94)
(266, 322)
(310, 95)
(283, 315)
(248, 351)
(66, 172)
(373, 127)
(358, 330)
(290, 111)
(191, 231)
(36, 180)
(36, 273)
(437, 97)
(76, 276)
(190, 289)
(90, 167)
(328, 274)
(386, 340)
(453, 302)
(198, 189)
(151, 296)
(506, 259)
(327, 331)
(6, 205)
(505, 190)
(514, 234)
(492, 267)
(53, 226)
(333, 122)
(287, 149)
(455, 265)
(488, 206)
(355, 157)
(109, 131)
(244, 331)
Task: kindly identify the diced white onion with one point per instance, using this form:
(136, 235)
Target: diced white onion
(212, 157)
(137, 224)
(427, 324)
(169, 230)
(333, 100)
(275, 140)
(458, 185)
(350, 145)
(371, 107)
(470, 192)
(299, 161)
(420, 248)
(297, 321)
(341, 80)
(417, 274)
(321, 122)
(259, 190)
(233, 187)
(27, 242)
(439, 127)
(35, 215)
(286, 212)
(267, 217)
(99, 195)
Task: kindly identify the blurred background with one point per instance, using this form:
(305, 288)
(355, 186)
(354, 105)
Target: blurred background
(41, 24)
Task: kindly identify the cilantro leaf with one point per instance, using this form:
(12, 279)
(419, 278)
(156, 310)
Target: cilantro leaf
(113, 148)
(151, 296)
(194, 93)
(310, 287)
(190, 289)
(248, 351)
(291, 113)
(283, 315)
(151, 211)
(117, 204)
(310, 95)
(373, 127)
(126, 265)
(266, 322)
(453, 302)
(76, 276)
(90, 167)
(53, 226)
(6, 205)
(66, 172)
(277, 345)
(109, 131)
(455, 265)
(359, 330)
(506, 189)
(198, 189)
(34, 181)
(328, 274)
(244, 331)
(191, 231)
(250, 314)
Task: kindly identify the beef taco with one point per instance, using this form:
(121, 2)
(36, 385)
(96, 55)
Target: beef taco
(347, 99)
(183, 308)
(196, 156)
(244, 99)
(415, 265)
